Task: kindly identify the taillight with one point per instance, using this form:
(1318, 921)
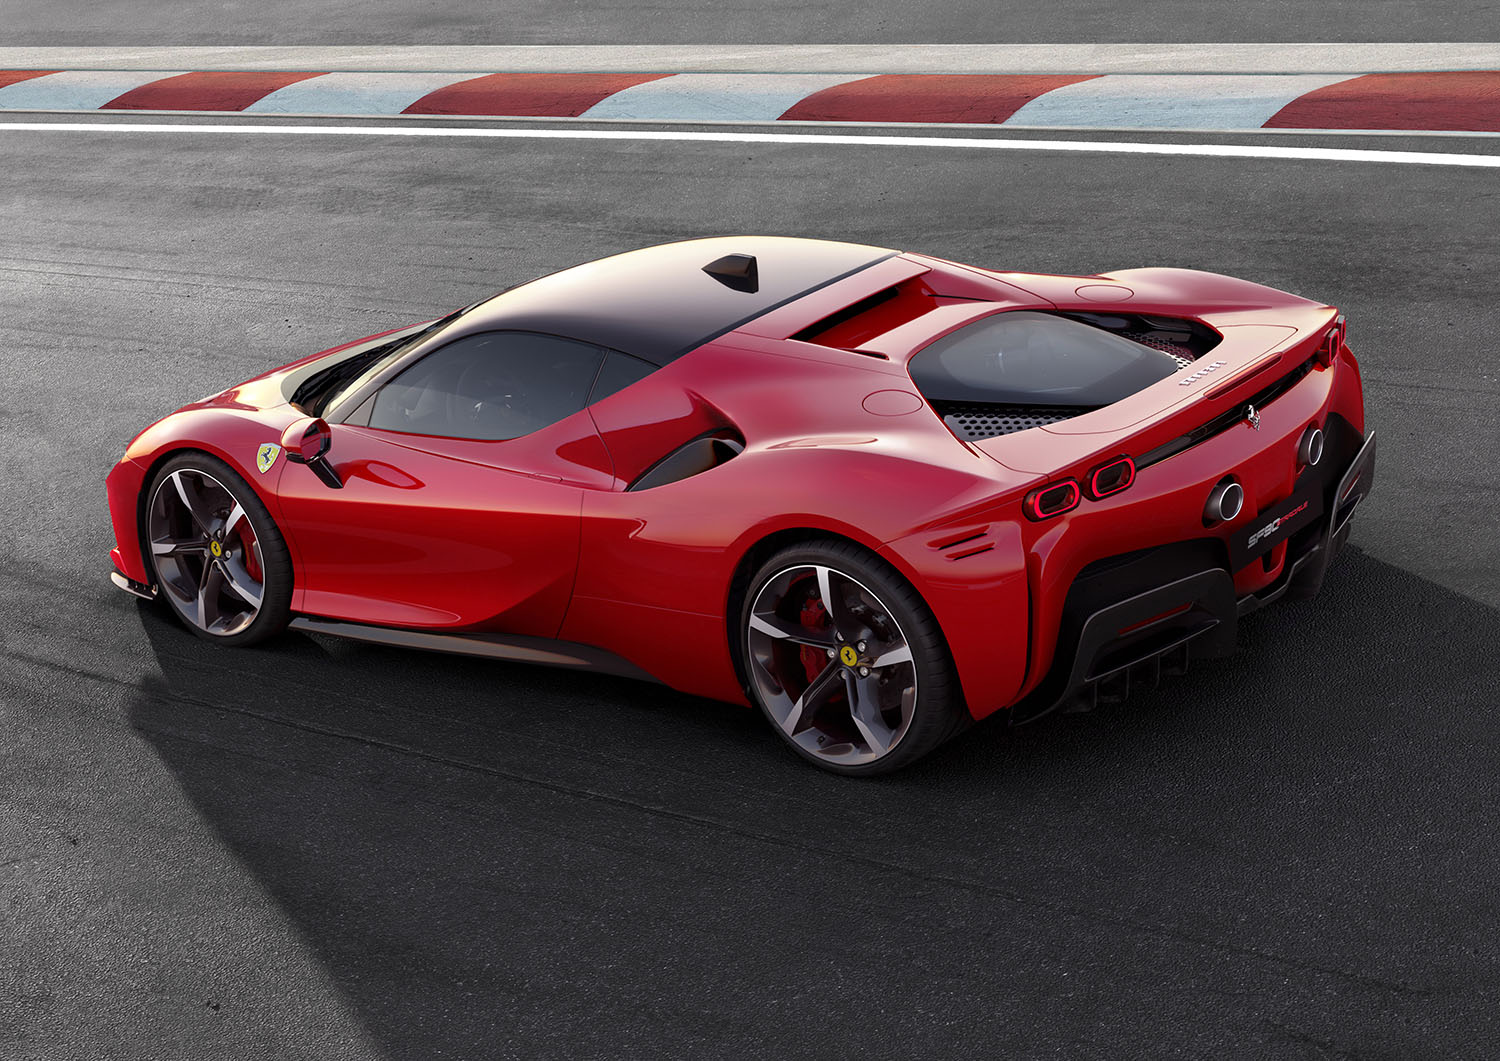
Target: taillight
(1333, 341)
(1111, 478)
(1048, 501)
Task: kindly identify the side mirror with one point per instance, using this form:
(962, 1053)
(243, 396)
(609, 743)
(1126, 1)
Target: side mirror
(307, 441)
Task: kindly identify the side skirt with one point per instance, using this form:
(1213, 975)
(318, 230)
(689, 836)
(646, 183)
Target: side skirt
(514, 648)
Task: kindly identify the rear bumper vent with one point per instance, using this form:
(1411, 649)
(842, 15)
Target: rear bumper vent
(974, 421)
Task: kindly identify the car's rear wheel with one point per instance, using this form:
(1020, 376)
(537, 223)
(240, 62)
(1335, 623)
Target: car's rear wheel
(216, 553)
(846, 661)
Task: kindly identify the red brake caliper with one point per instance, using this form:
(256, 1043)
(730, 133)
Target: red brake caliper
(814, 617)
(246, 535)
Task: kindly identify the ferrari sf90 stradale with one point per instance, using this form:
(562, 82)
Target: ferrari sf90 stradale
(876, 494)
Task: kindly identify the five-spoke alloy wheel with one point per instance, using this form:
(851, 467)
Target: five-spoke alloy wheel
(846, 661)
(219, 560)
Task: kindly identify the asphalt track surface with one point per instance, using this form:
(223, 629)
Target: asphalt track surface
(298, 22)
(327, 850)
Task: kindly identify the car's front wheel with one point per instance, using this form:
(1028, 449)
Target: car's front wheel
(218, 557)
(846, 661)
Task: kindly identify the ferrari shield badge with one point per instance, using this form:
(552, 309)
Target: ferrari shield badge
(266, 456)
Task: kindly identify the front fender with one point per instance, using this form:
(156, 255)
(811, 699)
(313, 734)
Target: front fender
(230, 433)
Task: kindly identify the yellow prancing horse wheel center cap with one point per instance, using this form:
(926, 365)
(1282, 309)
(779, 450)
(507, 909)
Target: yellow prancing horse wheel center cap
(847, 656)
(216, 548)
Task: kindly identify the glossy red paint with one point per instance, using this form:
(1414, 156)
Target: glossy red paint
(410, 540)
(539, 536)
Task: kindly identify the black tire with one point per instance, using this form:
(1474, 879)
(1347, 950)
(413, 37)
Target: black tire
(776, 666)
(173, 572)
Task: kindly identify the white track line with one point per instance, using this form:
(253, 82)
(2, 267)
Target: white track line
(1310, 154)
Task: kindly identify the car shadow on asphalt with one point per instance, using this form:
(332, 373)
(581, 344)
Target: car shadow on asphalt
(493, 859)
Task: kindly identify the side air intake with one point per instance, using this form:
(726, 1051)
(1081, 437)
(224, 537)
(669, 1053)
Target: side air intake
(693, 457)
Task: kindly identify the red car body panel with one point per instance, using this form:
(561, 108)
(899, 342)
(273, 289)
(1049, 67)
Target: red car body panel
(404, 543)
(539, 536)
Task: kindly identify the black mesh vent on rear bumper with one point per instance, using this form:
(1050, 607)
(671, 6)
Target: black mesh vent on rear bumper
(974, 421)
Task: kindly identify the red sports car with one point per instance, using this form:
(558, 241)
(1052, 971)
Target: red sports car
(876, 494)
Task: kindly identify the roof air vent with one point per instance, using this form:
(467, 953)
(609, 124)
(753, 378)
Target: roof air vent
(737, 271)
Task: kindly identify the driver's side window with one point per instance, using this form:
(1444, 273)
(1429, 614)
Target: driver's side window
(490, 386)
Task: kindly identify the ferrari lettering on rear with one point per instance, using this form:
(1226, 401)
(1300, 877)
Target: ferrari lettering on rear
(1188, 381)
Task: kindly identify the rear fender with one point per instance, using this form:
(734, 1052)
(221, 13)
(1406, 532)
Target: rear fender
(973, 577)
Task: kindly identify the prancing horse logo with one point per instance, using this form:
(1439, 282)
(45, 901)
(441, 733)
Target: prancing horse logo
(1252, 417)
(266, 456)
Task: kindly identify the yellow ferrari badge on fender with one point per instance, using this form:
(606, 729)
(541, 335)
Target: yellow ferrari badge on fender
(266, 456)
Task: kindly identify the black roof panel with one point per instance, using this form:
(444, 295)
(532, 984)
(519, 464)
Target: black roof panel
(658, 303)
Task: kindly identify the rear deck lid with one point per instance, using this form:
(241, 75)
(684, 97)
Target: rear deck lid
(1251, 357)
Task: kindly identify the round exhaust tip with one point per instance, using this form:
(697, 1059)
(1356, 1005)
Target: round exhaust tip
(1310, 449)
(1225, 502)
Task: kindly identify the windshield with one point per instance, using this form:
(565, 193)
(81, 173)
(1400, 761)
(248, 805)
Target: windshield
(1029, 358)
(323, 391)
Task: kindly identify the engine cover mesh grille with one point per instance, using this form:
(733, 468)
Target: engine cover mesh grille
(977, 421)
(1183, 355)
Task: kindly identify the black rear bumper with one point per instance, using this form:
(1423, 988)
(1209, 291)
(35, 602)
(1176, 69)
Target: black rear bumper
(1132, 618)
